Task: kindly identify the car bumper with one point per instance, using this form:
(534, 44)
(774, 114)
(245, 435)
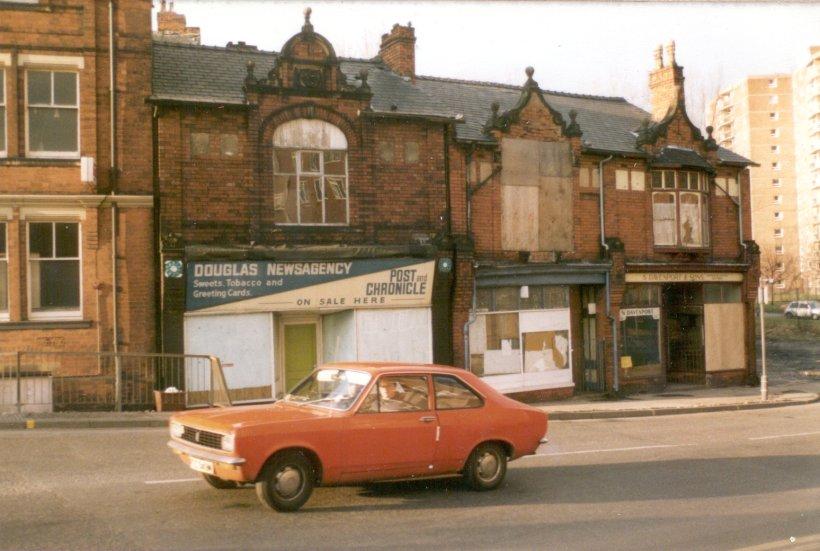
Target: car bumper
(227, 467)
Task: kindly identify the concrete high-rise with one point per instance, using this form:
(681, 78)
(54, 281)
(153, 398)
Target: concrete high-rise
(775, 120)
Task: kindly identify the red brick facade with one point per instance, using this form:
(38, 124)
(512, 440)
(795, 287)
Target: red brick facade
(72, 37)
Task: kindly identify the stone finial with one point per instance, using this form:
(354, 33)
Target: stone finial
(308, 26)
(710, 143)
(249, 68)
(362, 76)
(670, 54)
(530, 82)
(709, 130)
(573, 129)
(659, 57)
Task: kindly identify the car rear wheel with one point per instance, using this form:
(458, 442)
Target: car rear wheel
(789, 315)
(486, 467)
(286, 482)
(219, 483)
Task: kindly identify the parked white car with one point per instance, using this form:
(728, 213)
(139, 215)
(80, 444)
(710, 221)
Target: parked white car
(803, 309)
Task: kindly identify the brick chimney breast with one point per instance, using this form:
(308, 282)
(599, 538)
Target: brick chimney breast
(398, 50)
(172, 26)
(665, 82)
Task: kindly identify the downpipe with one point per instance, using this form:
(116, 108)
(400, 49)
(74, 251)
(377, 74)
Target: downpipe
(613, 323)
(470, 320)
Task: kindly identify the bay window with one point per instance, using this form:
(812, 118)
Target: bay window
(680, 208)
(52, 99)
(54, 269)
(310, 184)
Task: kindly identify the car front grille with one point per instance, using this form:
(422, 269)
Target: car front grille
(203, 437)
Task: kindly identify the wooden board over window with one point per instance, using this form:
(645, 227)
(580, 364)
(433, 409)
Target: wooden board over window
(536, 196)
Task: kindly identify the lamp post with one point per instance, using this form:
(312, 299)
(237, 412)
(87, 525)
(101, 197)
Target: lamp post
(764, 379)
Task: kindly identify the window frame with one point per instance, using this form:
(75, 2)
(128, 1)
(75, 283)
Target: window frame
(47, 315)
(28, 106)
(682, 184)
(321, 175)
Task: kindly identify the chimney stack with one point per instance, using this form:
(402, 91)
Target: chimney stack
(172, 26)
(398, 50)
(665, 82)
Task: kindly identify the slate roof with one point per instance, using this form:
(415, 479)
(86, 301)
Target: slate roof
(678, 156)
(209, 74)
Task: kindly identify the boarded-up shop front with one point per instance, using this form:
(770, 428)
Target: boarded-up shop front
(681, 327)
(272, 322)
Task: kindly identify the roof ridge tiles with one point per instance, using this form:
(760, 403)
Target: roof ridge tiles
(519, 88)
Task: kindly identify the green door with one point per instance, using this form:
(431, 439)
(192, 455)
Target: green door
(300, 352)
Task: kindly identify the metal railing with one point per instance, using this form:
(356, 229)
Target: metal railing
(33, 381)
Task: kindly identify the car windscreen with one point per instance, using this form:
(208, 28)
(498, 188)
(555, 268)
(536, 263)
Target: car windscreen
(330, 388)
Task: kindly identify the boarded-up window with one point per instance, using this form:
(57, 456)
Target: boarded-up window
(200, 144)
(638, 178)
(663, 215)
(386, 152)
(411, 152)
(720, 187)
(536, 196)
(732, 187)
(622, 179)
(229, 145)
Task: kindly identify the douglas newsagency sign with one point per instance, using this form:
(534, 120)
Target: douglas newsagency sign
(262, 286)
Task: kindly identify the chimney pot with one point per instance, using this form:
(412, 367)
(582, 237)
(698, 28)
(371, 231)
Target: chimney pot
(659, 57)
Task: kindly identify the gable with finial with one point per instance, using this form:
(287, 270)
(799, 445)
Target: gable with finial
(307, 63)
(536, 119)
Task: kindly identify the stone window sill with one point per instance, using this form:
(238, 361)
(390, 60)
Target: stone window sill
(45, 324)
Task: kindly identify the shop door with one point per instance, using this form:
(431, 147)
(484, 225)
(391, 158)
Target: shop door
(593, 367)
(684, 329)
(300, 352)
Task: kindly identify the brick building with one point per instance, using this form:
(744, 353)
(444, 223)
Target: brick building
(72, 176)
(314, 208)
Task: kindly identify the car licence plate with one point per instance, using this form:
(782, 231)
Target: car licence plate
(202, 466)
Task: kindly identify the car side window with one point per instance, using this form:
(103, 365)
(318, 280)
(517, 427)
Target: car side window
(451, 393)
(397, 393)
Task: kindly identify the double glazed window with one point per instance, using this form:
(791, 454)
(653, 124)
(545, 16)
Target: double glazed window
(310, 184)
(54, 269)
(52, 98)
(680, 208)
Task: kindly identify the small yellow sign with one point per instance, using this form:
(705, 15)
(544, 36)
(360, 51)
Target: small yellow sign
(30, 424)
(626, 362)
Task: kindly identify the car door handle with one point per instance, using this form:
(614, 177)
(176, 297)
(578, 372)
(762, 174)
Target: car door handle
(427, 419)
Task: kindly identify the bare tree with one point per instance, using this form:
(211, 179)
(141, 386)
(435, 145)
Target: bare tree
(781, 269)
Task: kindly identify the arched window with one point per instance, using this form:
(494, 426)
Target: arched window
(310, 173)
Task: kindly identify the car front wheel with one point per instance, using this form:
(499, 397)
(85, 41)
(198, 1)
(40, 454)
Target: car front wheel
(219, 483)
(286, 482)
(486, 467)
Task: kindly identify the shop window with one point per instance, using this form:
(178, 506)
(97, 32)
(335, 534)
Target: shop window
(200, 144)
(54, 269)
(680, 215)
(310, 182)
(3, 151)
(4, 274)
(53, 113)
(640, 330)
(229, 145)
(451, 393)
(546, 351)
(721, 293)
(411, 152)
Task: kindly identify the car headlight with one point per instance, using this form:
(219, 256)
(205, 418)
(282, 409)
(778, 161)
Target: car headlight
(228, 442)
(176, 429)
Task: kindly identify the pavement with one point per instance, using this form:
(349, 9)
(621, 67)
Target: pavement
(674, 399)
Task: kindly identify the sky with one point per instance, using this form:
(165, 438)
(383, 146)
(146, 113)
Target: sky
(581, 47)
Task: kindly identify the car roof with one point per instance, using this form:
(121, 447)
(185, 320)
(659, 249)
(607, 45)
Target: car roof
(375, 368)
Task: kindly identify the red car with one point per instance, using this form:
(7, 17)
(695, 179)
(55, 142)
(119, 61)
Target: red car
(361, 422)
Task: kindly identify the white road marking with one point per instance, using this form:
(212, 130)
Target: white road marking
(785, 435)
(611, 450)
(172, 480)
